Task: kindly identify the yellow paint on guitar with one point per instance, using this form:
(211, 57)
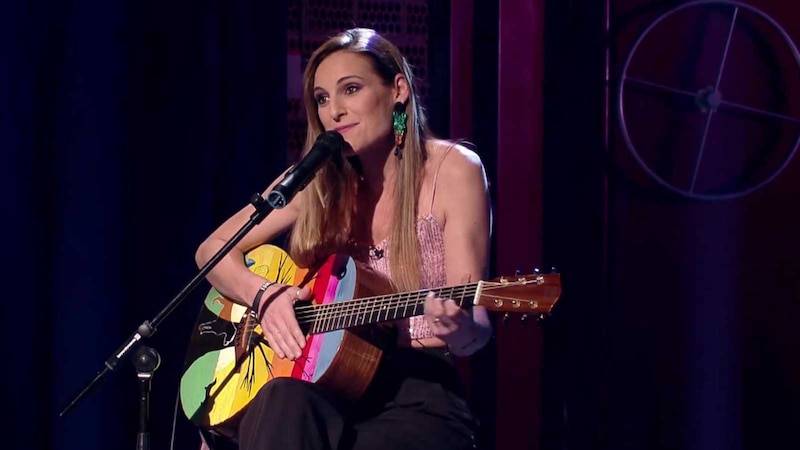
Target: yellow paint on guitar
(232, 375)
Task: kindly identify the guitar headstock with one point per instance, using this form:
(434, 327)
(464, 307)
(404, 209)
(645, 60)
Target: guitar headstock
(524, 294)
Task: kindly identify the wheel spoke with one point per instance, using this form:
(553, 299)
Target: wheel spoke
(660, 86)
(727, 48)
(709, 114)
(762, 112)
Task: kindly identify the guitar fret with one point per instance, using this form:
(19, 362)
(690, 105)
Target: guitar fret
(338, 317)
(329, 320)
(387, 311)
(348, 314)
(392, 310)
(358, 311)
(355, 312)
(362, 312)
(356, 306)
(379, 309)
(347, 311)
(396, 311)
(330, 324)
(371, 308)
(341, 315)
(321, 320)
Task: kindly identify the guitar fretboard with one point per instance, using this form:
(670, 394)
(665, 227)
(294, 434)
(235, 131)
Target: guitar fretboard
(371, 310)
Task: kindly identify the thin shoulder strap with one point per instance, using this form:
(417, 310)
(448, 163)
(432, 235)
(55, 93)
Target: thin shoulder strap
(436, 176)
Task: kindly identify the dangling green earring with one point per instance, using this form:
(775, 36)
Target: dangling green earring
(399, 118)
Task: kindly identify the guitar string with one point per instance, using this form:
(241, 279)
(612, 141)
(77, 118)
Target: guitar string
(325, 313)
(341, 314)
(388, 297)
(341, 311)
(395, 298)
(374, 303)
(381, 300)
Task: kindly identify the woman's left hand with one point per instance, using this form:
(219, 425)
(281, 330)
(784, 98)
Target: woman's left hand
(449, 322)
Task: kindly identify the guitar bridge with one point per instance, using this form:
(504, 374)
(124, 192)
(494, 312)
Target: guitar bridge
(245, 338)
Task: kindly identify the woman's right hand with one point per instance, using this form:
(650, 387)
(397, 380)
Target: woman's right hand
(279, 322)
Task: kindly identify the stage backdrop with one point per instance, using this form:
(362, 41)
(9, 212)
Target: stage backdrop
(128, 131)
(679, 314)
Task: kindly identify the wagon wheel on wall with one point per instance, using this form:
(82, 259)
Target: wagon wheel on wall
(726, 134)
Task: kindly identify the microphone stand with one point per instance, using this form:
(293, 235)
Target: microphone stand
(295, 180)
(147, 360)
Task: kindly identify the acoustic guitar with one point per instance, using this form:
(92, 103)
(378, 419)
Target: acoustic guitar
(229, 359)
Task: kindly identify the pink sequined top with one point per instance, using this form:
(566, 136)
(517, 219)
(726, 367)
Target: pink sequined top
(433, 273)
(432, 270)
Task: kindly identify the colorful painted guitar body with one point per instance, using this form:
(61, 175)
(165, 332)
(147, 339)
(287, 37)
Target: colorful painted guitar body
(229, 359)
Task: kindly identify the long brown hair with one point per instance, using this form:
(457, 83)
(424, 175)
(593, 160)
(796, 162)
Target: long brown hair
(325, 223)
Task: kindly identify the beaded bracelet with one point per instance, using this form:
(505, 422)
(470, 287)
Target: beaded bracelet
(257, 299)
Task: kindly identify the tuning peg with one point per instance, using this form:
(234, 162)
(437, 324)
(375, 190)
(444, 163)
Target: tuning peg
(553, 269)
(505, 318)
(523, 320)
(518, 273)
(536, 271)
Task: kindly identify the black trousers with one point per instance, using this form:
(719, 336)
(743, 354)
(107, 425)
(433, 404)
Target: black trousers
(415, 402)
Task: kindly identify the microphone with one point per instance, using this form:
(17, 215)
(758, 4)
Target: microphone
(303, 172)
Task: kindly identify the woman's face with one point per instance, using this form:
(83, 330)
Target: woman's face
(352, 99)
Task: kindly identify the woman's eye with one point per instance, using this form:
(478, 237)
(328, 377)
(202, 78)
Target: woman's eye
(322, 99)
(352, 89)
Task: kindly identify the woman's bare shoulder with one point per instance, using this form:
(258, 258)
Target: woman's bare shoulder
(454, 161)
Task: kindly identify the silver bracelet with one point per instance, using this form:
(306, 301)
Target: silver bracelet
(257, 299)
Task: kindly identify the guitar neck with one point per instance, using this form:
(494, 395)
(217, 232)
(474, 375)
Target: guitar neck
(383, 308)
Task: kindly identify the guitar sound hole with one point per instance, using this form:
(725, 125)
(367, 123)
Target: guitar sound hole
(307, 322)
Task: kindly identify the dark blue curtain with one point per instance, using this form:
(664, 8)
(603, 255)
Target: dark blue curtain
(129, 130)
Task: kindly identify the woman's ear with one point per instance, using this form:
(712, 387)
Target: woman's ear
(401, 89)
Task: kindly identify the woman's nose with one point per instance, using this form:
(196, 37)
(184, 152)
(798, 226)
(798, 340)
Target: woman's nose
(336, 110)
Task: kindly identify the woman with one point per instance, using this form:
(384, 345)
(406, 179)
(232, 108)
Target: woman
(412, 207)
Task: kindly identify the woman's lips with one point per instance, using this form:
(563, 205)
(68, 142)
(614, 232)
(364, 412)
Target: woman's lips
(344, 129)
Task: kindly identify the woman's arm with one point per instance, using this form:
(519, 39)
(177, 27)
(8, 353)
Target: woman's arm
(236, 282)
(230, 276)
(463, 196)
